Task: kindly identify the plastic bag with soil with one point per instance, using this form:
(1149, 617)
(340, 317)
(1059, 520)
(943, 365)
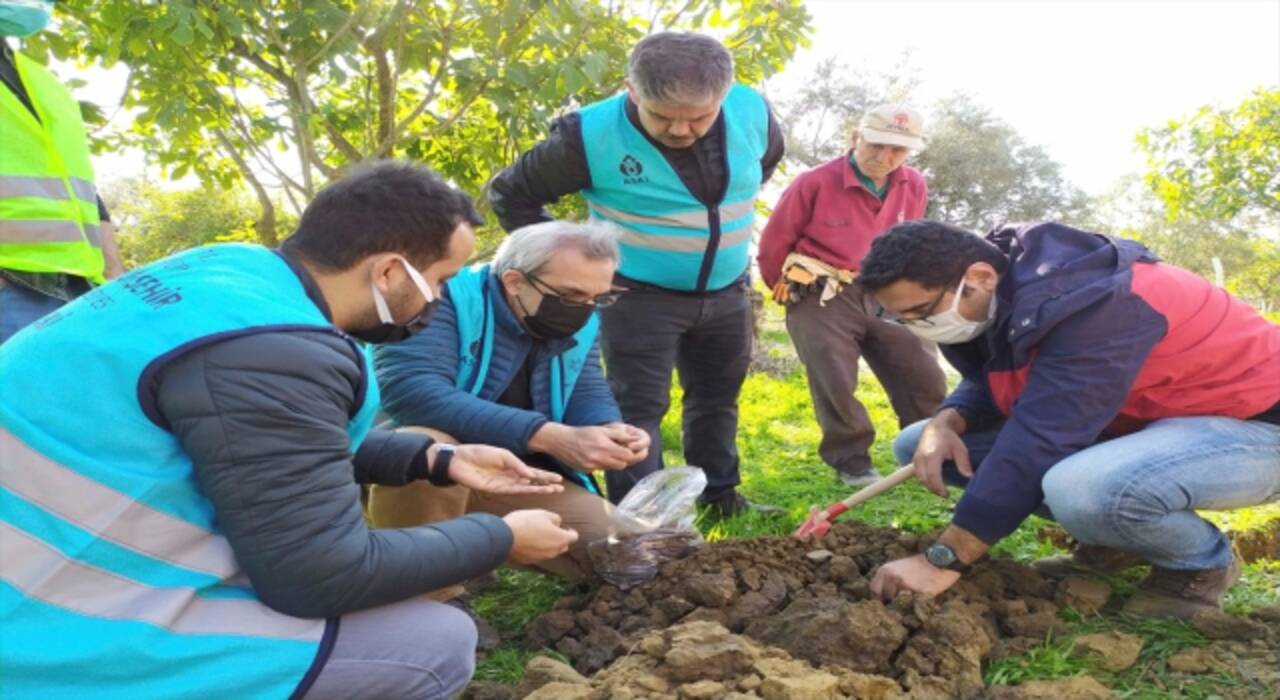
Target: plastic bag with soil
(651, 526)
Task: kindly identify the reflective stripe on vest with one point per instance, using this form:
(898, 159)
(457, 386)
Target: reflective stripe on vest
(48, 203)
(46, 187)
(677, 243)
(48, 232)
(670, 238)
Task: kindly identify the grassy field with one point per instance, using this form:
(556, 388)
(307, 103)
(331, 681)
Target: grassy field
(778, 439)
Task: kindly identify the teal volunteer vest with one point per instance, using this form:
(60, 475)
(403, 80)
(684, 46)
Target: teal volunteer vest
(473, 304)
(117, 582)
(668, 236)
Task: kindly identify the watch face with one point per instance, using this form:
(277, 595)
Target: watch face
(940, 555)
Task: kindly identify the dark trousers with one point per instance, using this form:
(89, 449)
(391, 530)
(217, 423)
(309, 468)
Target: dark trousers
(707, 337)
(829, 340)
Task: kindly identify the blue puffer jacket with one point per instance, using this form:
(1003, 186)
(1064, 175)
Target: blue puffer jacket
(418, 382)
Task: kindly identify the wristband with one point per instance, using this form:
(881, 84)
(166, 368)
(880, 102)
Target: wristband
(438, 473)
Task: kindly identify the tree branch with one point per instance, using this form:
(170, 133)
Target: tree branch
(353, 19)
(388, 139)
(386, 124)
(266, 223)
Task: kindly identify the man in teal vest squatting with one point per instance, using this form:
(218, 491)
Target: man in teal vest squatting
(180, 459)
(676, 162)
(511, 360)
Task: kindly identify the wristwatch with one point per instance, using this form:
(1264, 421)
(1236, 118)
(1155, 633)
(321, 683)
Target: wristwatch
(944, 557)
(438, 472)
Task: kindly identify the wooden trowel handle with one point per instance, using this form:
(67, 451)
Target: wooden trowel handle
(897, 477)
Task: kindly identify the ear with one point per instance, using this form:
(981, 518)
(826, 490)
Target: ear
(982, 275)
(512, 281)
(853, 138)
(382, 268)
(631, 91)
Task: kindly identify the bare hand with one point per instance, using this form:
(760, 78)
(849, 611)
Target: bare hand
(112, 265)
(537, 536)
(495, 470)
(630, 437)
(587, 448)
(939, 443)
(911, 574)
(782, 292)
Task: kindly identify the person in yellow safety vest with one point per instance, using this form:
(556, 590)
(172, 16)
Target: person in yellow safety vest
(56, 240)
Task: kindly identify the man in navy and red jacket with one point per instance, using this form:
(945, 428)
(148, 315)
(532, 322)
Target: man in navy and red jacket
(1102, 387)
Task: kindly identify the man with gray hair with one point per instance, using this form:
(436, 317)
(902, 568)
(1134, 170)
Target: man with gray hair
(510, 358)
(676, 162)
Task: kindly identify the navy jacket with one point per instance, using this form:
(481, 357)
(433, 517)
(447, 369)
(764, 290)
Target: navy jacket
(1094, 336)
(418, 381)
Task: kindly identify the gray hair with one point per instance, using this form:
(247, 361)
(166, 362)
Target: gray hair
(680, 67)
(529, 248)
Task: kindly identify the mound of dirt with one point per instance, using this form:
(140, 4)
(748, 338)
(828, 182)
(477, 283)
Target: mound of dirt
(704, 661)
(762, 609)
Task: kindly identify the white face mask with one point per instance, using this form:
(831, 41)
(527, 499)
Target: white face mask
(389, 330)
(379, 301)
(949, 327)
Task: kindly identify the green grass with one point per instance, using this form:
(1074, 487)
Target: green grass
(1148, 679)
(778, 438)
(518, 598)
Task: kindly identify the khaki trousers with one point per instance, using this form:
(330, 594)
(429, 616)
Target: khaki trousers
(420, 503)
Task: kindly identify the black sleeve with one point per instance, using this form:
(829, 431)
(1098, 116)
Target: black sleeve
(543, 174)
(391, 458)
(103, 214)
(774, 152)
(264, 420)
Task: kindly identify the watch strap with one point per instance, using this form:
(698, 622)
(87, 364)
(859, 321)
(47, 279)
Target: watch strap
(438, 473)
(955, 565)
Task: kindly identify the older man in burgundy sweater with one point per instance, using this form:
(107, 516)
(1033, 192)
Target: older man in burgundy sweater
(809, 254)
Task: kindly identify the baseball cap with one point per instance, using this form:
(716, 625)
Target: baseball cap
(893, 124)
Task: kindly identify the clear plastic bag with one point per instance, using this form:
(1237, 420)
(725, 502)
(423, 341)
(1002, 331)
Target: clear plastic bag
(652, 525)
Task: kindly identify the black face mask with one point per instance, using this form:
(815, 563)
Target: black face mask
(556, 319)
(396, 332)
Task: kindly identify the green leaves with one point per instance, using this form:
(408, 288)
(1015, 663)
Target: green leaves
(283, 95)
(1219, 163)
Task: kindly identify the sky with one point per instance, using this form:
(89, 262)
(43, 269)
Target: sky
(1078, 77)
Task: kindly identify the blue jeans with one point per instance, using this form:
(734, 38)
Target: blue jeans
(1139, 492)
(19, 307)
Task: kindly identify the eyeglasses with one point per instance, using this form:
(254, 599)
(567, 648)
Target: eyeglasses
(922, 320)
(600, 301)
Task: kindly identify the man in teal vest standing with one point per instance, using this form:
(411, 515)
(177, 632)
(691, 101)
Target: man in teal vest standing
(676, 162)
(180, 454)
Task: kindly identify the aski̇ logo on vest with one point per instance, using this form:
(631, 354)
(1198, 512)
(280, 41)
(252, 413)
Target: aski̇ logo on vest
(632, 171)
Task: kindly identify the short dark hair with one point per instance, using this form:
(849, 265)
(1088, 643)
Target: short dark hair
(930, 253)
(680, 67)
(384, 207)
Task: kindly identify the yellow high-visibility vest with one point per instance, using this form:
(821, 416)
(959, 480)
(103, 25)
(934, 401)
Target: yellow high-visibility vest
(48, 202)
